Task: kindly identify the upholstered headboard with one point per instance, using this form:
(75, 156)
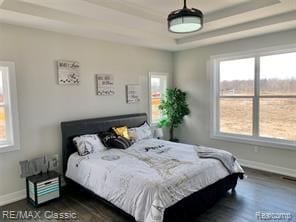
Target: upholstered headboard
(93, 126)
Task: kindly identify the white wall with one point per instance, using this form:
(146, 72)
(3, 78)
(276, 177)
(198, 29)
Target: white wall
(43, 104)
(190, 74)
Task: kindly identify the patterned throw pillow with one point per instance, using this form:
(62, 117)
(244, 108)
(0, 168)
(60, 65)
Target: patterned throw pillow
(110, 140)
(87, 144)
(120, 143)
(121, 131)
(107, 137)
(140, 133)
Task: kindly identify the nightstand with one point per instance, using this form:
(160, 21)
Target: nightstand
(43, 187)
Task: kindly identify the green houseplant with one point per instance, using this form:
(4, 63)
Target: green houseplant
(173, 107)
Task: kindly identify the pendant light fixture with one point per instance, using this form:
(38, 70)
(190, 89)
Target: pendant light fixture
(185, 20)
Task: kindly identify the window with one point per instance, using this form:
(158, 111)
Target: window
(255, 97)
(157, 88)
(8, 108)
(236, 96)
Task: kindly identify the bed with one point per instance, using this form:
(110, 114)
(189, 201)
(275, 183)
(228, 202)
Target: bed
(167, 184)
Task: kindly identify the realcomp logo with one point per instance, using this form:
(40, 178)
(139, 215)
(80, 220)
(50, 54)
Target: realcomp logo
(273, 216)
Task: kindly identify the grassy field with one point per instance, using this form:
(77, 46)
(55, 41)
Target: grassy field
(236, 116)
(277, 117)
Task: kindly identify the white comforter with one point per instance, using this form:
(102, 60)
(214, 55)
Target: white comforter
(144, 183)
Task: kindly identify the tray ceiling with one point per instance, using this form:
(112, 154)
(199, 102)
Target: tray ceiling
(143, 22)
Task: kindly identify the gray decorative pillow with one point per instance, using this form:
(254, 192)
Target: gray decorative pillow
(87, 144)
(140, 133)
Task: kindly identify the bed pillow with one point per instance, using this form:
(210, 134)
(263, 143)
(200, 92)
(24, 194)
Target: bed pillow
(120, 143)
(140, 133)
(121, 131)
(107, 137)
(110, 140)
(87, 144)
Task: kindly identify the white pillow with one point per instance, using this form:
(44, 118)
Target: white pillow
(87, 144)
(140, 133)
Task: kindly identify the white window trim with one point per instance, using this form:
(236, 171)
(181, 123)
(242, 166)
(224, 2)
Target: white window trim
(13, 121)
(153, 124)
(213, 73)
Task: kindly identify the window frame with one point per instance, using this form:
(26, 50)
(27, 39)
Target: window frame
(255, 138)
(160, 74)
(12, 142)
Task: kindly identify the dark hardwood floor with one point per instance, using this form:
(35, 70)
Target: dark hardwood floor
(259, 192)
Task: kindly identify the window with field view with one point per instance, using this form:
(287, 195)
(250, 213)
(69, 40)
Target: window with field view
(158, 86)
(236, 96)
(257, 96)
(278, 96)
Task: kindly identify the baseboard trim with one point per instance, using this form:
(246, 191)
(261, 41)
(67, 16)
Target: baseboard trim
(268, 167)
(12, 197)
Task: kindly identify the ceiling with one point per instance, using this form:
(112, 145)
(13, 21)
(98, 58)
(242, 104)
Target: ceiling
(143, 22)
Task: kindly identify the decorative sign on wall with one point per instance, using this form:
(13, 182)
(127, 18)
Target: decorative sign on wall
(68, 72)
(105, 85)
(133, 93)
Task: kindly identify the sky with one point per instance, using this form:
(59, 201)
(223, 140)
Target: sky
(281, 66)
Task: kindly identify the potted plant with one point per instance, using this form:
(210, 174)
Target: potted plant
(173, 107)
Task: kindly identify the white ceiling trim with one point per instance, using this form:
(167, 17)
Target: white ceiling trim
(131, 9)
(83, 8)
(239, 9)
(61, 27)
(277, 19)
(238, 35)
(146, 13)
(76, 20)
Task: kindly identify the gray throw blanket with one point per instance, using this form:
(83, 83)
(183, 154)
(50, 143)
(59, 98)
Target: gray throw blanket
(226, 158)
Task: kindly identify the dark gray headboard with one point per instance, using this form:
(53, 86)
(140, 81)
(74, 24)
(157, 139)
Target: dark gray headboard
(94, 126)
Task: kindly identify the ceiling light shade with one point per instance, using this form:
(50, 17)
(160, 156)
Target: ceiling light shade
(185, 20)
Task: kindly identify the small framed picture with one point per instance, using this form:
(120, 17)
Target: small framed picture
(68, 72)
(133, 93)
(53, 163)
(105, 85)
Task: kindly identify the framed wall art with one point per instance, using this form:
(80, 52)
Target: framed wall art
(68, 72)
(133, 93)
(105, 85)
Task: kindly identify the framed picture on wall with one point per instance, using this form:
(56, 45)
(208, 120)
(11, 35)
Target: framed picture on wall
(68, 72)
(133, 93)
(105, 85)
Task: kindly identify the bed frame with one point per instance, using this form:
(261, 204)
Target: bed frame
(185, 210)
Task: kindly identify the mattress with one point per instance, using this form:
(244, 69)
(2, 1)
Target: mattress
(148, 177)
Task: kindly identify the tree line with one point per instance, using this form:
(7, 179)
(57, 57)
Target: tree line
(266, 85)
